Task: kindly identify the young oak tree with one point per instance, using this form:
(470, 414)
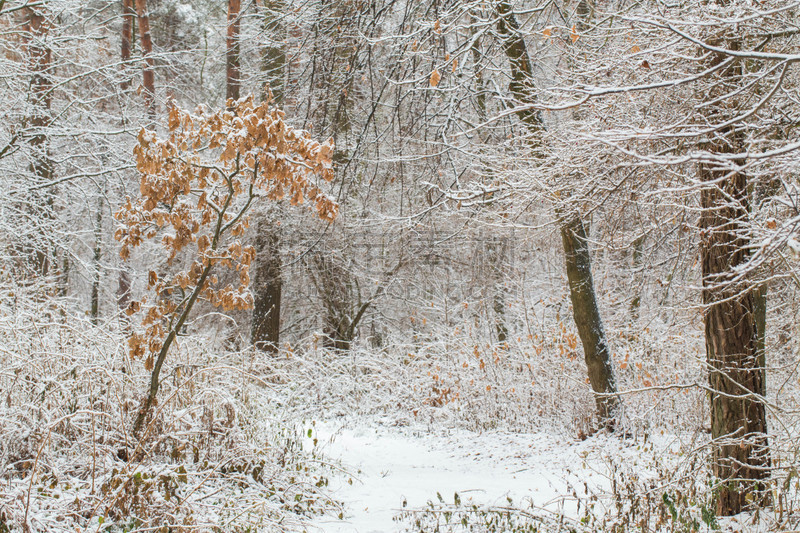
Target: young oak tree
(197, 186)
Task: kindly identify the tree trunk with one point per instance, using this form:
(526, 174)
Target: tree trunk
(521, 85)
(40, 64)
(587, 318)
(760, 310)
(496, 247)
(268, 282)
(94, 312)
(273, 57)
(124, 290)
(333, 283)
(128, 18)
(128, 23)
(738, 415)
(148, 75)
(155, 383)
(497, 254)
(267, 285)
(233, 75)
(573, 234)
(636, 301)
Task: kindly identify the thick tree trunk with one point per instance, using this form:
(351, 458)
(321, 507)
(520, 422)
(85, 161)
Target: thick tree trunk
(267, 286)
(587, 318)
(740, 449)
(333, 283)
(233, 75)
(148, 74)
(738, 415)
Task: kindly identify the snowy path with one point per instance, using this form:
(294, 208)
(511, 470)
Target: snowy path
(392, 465)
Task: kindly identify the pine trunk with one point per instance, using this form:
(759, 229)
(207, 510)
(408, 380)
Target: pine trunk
(233, 76)
(128, 17)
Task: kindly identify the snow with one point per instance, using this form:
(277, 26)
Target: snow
(385, 466)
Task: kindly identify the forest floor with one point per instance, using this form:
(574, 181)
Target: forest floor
(388, 468)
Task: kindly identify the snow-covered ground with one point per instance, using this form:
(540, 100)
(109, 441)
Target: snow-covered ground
(390, 468)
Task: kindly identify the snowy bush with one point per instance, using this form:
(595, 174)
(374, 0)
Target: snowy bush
(217, 456)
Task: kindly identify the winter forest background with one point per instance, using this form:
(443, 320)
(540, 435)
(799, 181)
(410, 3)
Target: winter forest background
(232, 230)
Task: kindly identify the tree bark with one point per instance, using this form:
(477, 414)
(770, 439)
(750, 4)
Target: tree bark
(333, 283)
(128, 23)
(738, 415)
(94, 311)
(521, 85)
(40, 64)
(233, 74)
(740, 449)
(496, 247)
(760, 310)
(124, 290)
(636, 301)
(128, 18)
(497, 253)
(587, 318)
(148, 74)
(267, 287)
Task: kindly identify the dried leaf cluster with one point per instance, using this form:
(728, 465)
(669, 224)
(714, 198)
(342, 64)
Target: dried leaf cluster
(196, 188)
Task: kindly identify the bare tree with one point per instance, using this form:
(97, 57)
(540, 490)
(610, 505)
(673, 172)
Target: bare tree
(573, 228)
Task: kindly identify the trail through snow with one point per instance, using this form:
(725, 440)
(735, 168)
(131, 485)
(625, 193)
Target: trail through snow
(388, 466)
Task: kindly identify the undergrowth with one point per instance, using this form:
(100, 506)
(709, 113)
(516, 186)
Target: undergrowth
(224, 450)
(660, 492)
(218, 455)
(527, 383)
